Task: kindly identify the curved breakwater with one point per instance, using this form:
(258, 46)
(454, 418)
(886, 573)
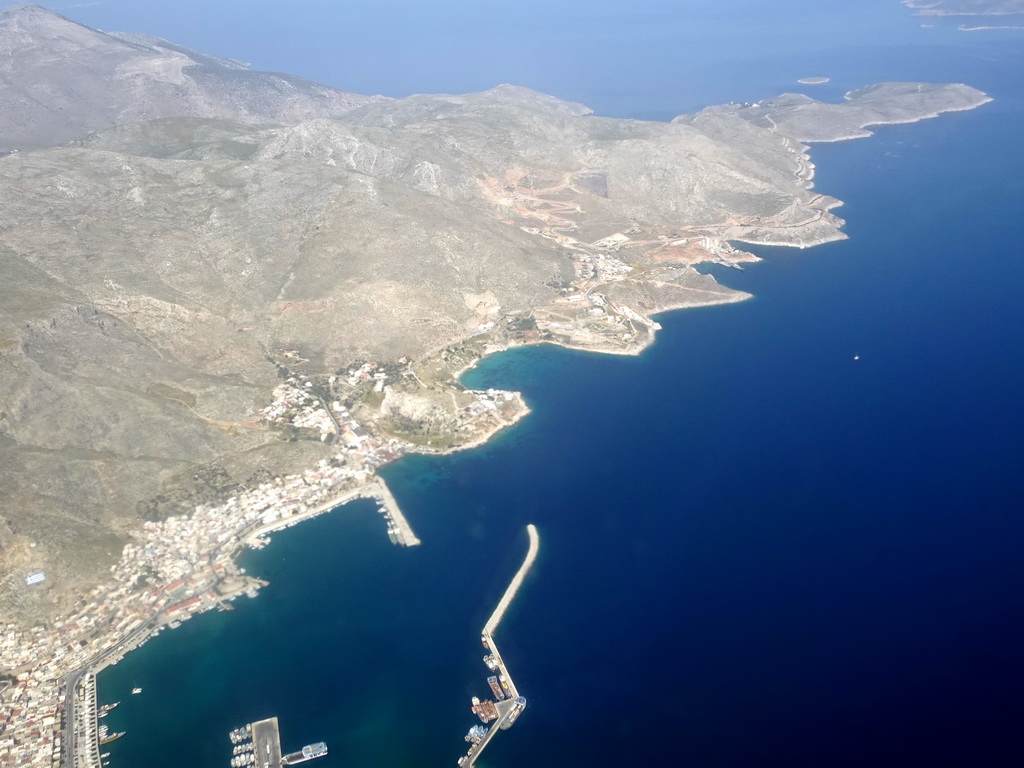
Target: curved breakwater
(516, 583)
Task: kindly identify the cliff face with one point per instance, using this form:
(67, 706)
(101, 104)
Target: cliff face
(154, 270)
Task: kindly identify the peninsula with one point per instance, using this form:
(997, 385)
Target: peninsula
(230, 297)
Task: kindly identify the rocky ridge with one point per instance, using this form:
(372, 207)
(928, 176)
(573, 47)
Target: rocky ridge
(59, 79)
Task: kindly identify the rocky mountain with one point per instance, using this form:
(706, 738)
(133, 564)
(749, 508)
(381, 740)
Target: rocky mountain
(59, 79)
(160, 275)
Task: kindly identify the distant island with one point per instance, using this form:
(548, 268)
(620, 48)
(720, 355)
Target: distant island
(229, 297)
(813, 80)
(966, 7)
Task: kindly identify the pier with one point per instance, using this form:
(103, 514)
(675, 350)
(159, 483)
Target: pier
(509, 704)
(258, 745)
(399, 530)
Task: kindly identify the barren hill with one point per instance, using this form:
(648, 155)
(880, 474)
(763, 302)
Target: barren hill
(59, 79)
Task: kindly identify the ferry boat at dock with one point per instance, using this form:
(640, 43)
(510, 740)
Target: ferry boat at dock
(309, 752)
(112, 737)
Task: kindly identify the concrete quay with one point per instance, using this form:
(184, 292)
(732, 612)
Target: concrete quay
(399, 529)
(509, 708)
(266, 739)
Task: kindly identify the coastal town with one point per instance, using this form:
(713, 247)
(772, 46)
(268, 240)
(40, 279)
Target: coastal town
(182, 566)
(370, 414)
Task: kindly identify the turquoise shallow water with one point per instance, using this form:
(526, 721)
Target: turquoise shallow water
(755, 549)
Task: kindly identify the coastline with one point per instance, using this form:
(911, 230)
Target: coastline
(163, 602)
(864, 133)
(985, 27)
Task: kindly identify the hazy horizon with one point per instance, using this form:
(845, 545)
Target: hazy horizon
(678, 52)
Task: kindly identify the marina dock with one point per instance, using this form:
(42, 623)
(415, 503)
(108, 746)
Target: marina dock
(399, 530)
(259, 745)
(508, 703)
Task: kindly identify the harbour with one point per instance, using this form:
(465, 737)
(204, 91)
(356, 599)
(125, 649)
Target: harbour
(223, 583)
(400, 532)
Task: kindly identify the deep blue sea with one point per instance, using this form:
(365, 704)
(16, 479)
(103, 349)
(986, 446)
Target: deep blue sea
(755, 549)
